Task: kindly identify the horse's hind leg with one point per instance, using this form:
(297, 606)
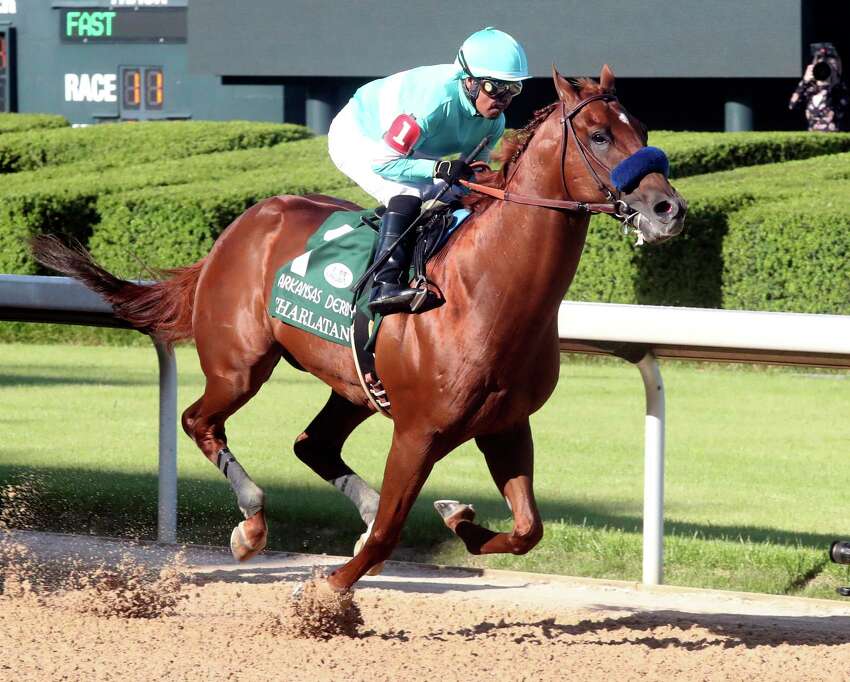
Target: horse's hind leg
(232, 380)
(320, 448)
(510, 458)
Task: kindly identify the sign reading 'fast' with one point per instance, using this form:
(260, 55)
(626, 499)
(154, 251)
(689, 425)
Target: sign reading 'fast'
(88, 24)
(123, 25)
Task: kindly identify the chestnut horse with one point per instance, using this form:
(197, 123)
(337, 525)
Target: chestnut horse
(476, 367)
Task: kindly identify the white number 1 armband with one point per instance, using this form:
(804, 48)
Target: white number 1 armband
(403, 134)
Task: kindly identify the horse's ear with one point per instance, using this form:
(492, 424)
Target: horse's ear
(606, 79)
(567, 89)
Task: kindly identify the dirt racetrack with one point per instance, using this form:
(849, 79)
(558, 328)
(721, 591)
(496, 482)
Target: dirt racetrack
(229, 621)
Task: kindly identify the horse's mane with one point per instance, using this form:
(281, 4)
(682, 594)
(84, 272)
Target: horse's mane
(514, 143)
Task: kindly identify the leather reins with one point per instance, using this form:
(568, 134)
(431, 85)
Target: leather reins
(615, 206)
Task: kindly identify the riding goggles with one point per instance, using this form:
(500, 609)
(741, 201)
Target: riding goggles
(500, 89)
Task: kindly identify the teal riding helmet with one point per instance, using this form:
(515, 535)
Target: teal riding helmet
(491, 53)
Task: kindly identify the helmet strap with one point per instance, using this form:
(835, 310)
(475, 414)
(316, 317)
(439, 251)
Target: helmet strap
(471, 92)
(462, 60)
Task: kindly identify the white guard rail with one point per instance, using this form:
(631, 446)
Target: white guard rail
(25, 298)
(640, 334)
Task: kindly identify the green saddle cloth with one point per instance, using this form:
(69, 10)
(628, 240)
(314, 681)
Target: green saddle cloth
(312, 292)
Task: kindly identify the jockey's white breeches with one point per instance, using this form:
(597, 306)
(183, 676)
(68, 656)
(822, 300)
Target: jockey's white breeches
(355, 154)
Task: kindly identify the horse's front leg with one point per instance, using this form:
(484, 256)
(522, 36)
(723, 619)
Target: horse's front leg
(411, 458)
(510, 458)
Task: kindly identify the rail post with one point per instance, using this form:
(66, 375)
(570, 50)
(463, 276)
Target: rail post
(653, 472)
(167, 502)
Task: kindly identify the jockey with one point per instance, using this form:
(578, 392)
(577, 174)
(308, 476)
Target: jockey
(391, 136)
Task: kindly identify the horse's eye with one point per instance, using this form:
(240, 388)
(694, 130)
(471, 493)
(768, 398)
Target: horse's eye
(599, 138)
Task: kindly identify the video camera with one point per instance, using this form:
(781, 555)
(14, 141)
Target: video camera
(821, 52)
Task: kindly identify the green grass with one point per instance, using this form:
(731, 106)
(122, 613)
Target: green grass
(754, 491)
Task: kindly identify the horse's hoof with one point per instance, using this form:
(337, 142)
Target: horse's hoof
(318, 587)
(240, 547)
(377, 568)
(453, 512)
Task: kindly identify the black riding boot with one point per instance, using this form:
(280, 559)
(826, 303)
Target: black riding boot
(390, 290)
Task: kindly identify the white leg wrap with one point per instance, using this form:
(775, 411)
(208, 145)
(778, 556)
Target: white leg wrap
(359, 492)
(249, 496)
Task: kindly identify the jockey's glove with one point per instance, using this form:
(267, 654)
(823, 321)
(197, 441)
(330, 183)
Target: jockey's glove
(452, 171)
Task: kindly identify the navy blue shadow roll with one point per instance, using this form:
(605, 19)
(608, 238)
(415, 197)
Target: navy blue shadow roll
(628, 173)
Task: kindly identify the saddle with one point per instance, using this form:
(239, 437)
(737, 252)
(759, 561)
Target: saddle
(314, 292)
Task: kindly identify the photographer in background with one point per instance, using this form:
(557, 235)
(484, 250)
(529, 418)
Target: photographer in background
(823, 91)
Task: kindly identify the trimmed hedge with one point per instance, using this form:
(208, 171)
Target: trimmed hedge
(790, 257)
(688, 270)
(697, 153)
(168, 226)
(685, 271)
(74, 198)
(125, 144)
(91, 176)
(122, 145)
(173, 226)
(308, 156)
(15, 123)
(169, 210)
(710, 264)
(24, 215)
(777, 181)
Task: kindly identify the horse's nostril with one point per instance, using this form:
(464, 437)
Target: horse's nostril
(663, 208)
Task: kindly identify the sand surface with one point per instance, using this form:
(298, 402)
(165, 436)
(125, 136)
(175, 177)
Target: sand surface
(224, 621)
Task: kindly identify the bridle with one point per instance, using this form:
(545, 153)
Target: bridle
(569, 132)
(615, 206)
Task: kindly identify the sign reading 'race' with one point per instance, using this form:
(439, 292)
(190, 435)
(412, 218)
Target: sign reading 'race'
(143, 24)
(90, 87)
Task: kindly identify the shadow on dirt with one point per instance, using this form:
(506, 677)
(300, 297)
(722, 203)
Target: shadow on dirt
(666, 629)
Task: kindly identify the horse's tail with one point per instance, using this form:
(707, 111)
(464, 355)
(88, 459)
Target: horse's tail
(162, 309)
